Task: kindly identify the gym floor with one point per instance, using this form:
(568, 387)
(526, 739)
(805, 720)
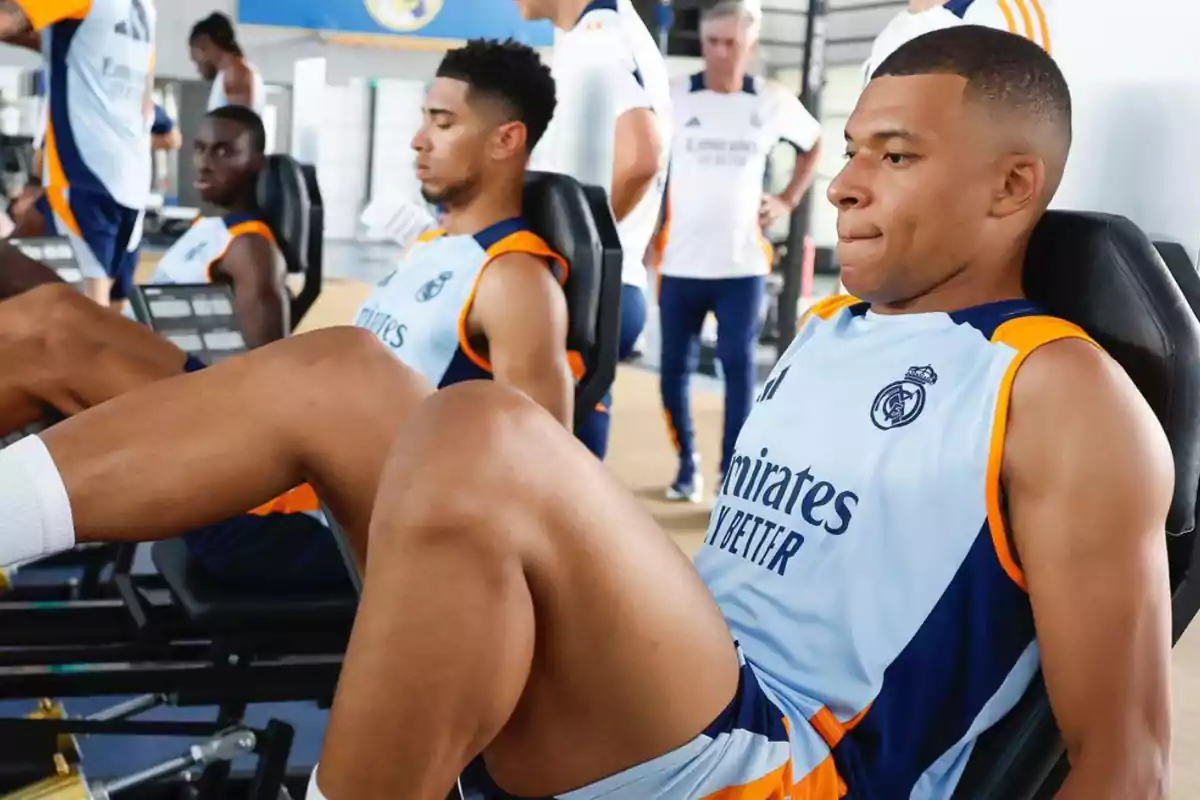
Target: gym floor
(641, 454)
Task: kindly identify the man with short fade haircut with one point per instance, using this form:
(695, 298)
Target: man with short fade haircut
(941, 490)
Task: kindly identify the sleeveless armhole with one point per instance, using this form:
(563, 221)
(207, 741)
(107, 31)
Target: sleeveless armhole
(252, 227)
(1025, 335)
(519, 242)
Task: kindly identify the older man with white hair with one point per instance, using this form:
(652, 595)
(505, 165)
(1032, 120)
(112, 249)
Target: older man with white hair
(714, 257)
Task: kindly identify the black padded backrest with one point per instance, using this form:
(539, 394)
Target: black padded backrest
(283, 201)
(575, 220)
(1102, 273)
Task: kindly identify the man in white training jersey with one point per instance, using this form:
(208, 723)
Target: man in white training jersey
(714, 257)
(941, 490)
(605, 42)
(96, 171)
(1026, 18)
(219, 58)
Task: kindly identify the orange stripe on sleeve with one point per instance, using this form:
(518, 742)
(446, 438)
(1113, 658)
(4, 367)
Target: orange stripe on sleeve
(56, 183)
(44, 13)
(1026, 19)
(519, 242)
(1025, 335)
(253, 227)
(1043, 24)
(1009, 17)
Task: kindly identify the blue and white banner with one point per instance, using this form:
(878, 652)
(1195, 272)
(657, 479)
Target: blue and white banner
(452, 20)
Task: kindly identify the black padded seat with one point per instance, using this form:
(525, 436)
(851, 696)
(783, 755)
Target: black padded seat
(290, 200)
(575, 220)
(1102, 273)
(213, 606)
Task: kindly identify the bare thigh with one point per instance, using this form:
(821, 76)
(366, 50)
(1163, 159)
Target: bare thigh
(59, 349)
(610, 647)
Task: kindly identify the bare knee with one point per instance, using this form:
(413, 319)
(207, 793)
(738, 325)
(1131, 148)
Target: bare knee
(475, 458)
(343, 358)
(53, 321)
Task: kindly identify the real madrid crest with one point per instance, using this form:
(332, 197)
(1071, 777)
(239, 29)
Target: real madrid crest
(431, 289)
(403, 15)
(902, 401)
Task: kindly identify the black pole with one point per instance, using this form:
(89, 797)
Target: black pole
(813, 72)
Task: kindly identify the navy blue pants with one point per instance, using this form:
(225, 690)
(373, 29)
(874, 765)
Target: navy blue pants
(683, 304)
(594, 431)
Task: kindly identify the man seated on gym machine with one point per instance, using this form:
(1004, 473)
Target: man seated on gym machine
(1011, 482)
(482, 298)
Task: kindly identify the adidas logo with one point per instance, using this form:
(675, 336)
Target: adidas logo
(694, 122)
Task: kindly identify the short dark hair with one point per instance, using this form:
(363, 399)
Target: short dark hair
(1001, 68)
(245, 117)
(217, 27)
(510, 72)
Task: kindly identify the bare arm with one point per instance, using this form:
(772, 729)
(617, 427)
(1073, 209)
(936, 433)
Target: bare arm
(15, 27)
(521, 310)
(802, 176)
(637, 149)
(239, 85)
(1089, 479)
(19, 273)
(172, 140)
(253, 267)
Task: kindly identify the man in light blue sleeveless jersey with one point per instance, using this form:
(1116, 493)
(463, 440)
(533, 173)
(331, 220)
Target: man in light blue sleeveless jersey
(100, 73)
(939, 490)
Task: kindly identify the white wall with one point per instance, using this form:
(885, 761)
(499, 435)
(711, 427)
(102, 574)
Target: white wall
(1135, 83)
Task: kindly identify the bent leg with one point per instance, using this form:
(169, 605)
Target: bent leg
(59, 350)
(520, 603)
(199, 448)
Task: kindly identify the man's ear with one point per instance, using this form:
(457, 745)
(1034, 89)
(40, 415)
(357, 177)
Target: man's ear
(1020, 180)
(509, 139)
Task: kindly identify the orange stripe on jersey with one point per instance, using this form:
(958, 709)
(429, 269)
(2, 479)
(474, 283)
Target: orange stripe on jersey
(56, 183)
(827, 307)
(518, 242)
(773, 786)
(253, 227)
(823, 783)
(429, 236)
(294, 501)
(44, 13)
(1043, 24)
(1009, 17)
(1025, 335)
(1027, 19)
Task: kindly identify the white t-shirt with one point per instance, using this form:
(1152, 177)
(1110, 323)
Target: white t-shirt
(610, 43)
(217, 98)
(718, 157)
(903, 28)
(1026, 18)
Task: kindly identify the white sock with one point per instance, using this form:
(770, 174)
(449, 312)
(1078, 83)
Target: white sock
(314, 793)
(35, 512)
